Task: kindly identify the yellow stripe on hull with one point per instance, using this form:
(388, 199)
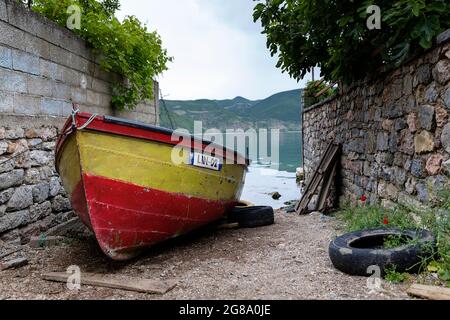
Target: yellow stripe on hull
(149, 164)
(69, 165)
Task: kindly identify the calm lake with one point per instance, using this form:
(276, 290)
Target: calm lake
(262, 180)
(265, 176)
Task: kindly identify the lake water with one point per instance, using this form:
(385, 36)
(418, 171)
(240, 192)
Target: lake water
(266, 176)
(263, 179)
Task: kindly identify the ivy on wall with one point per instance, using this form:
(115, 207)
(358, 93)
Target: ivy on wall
(126, 47)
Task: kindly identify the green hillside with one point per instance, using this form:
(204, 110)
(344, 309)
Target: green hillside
(281, 110)
(283, 106)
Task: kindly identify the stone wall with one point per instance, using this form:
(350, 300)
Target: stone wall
(32, 199)
(394, 130)
(42, 68)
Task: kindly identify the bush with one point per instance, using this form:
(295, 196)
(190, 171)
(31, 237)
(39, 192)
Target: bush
(313, 88)
(127, 47)
(333, 35)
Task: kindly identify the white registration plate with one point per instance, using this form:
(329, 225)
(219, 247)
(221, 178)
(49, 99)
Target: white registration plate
(205, 161)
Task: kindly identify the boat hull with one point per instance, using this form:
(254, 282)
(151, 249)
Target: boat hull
(131, 193)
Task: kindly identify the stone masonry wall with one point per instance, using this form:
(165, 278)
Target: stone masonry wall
(32, 199)
(394, 131)
(42, 68)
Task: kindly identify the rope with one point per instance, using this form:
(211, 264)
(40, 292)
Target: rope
(92, 118)
(84, 126)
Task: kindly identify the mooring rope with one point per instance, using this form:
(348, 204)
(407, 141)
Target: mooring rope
(84, 126)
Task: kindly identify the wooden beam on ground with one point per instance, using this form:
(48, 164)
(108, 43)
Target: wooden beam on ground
(10, 253)
(12, 264)
(429, 292)
(115, 282)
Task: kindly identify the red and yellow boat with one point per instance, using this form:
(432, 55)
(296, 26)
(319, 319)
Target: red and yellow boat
(126, 187)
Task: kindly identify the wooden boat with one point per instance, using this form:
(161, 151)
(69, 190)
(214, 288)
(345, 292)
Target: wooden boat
(125, 186)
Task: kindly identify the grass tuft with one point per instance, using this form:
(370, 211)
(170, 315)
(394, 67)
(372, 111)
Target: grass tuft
(395, 277)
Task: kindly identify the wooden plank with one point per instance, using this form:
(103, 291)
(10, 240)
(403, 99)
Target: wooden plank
(328, 175)
(303, 204)
(115, 282)
(325, 165)
(10, 253)
(429, 292)
(326, 188)
(12, 264)
(312, 185)
(321, 92)
(318, 83)
(329, 178)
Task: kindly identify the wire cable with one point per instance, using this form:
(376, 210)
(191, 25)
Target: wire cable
(166, 110)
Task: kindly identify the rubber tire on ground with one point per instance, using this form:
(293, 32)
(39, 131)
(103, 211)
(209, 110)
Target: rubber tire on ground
(356, 261)
(252, 216)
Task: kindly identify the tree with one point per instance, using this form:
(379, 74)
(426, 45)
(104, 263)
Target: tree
(334, 36)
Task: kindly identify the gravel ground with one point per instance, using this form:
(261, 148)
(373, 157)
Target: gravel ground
(288, 260)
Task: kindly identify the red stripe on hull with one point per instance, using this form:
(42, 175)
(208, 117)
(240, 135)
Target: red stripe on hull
(79, 204)
(126, 217)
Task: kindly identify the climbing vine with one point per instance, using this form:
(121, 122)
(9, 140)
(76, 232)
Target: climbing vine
(126, 47)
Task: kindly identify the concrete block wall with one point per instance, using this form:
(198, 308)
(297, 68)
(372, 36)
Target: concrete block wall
(394, 130)
(42, 68)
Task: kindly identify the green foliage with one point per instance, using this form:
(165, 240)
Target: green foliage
(395, 241)
(360, 218)
(435, 218)
(333, 35)
(313, 88)
(127, 47)
(393, 276)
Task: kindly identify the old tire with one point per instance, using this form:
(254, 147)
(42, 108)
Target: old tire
(252, 216)
(355, 252)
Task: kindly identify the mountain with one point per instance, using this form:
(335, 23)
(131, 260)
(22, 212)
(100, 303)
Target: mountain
(282, 111)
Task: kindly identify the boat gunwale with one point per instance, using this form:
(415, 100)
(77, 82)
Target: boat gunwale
(120, 122)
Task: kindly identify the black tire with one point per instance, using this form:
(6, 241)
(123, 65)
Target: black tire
(252, 217)
(355, 252)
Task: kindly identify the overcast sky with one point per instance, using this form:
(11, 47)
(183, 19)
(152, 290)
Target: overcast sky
(219, 52)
